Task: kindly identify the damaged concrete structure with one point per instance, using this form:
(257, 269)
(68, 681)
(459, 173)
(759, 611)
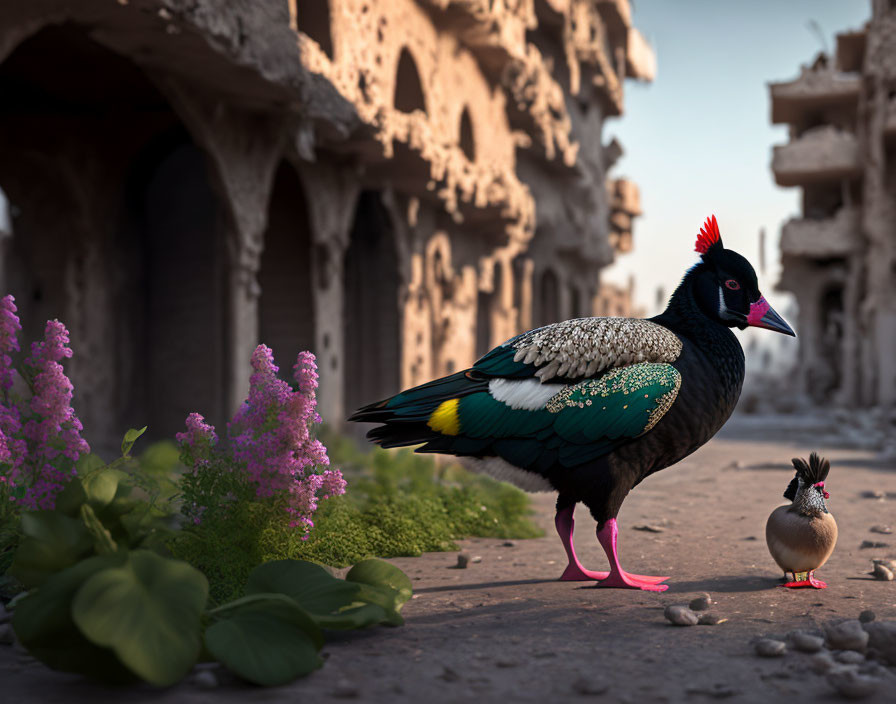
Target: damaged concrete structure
(839, 256)
(396, 185)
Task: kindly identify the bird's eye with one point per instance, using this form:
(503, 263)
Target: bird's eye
(732, 284)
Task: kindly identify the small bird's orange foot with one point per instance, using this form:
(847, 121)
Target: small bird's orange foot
(573, 573)
(624, 580)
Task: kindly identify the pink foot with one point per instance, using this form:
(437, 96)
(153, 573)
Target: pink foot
(624, 580)
(803, 584)
(574, 573)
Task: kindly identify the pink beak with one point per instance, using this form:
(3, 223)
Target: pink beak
(762, 315)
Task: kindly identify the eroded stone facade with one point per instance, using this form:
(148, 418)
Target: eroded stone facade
(839, 256)
(397, 185)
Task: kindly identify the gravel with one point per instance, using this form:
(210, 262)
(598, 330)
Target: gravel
(883, 573)
(805, 642)
(851, 684)
(680, 616)
(849, 657)
(770, 648)
(867, 616)
(821, 662)
(846, 635)
(710, 620)
(867, 544)
(883, 530)
(882, 637)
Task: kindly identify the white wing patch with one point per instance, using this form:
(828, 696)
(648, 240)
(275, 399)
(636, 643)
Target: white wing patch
(523, 394)
(502, 470)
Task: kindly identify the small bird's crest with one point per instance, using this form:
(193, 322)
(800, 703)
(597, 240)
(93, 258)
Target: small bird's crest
(709, 237)
(814, 472)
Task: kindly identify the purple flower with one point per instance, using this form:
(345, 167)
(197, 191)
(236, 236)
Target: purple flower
(269, 442)
(41, 435)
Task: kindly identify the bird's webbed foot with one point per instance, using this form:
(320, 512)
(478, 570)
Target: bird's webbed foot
(804, 580)
(576, 573)
(625, 580)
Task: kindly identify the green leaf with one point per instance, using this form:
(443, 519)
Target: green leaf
(314, 589)
(269, 642)
(102, 538)
(43, 624)
(52, 541)
(101, 486)
(380, 573)
(87, 464)
(148, 611)
(130, 438)
(361, 616)
(69, 500)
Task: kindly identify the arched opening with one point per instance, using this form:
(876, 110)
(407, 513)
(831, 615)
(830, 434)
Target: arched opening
(467, 142)
(371, 317)
(575, 302)
(488, 304)
(549, 298)
(286, 307)
(831, 343)
(313, 19)
(117, 234)
(408, 88)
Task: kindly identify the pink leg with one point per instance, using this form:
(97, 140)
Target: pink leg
(618, 577)
(574, 571)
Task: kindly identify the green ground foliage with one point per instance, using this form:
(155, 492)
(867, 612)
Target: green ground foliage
(397, 504)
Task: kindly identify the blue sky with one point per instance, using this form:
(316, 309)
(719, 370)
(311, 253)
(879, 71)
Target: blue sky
(698, 140)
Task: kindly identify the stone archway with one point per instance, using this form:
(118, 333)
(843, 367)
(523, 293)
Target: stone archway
(286, 307)
(117, 233)
(371, 317)
(408, 87)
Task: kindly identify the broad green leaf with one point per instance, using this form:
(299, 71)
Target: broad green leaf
(269, 642)
(130, 438)
(382, 584)
(361, 616)
(148, 611)
(313, 588)
(69, 500)
(43, 624)
(89, 463)
(52, 541)
(101, 486)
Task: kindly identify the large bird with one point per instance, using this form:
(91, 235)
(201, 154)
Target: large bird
(590, 407)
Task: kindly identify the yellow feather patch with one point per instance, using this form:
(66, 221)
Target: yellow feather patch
(445, 419)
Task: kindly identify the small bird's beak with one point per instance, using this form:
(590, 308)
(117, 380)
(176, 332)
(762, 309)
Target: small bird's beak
(762, 315)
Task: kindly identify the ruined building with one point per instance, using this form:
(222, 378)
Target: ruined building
(839, 256)
(396, 185)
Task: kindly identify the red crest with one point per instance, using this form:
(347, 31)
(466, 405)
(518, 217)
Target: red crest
(709, 235)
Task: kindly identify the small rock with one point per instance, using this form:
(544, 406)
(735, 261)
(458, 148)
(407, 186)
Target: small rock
(476, 559)
(875, 494)
(449, 675)
(508, 544)
(852, 685)
(205, 679)
(462, 561)
(846, 635)
(769, 648)
(867, 616)
(649, 528)
(680, 615)
(849, 657)
(7, 636)
(345, 689)
(710, 620)
(806, 642)
(885, 574)
(889, 564)
(866, 544)
(751, 537)
(883, 530)
(821, 663)
(882, 637)
(589, 686)
(505, 663)
(701, 603)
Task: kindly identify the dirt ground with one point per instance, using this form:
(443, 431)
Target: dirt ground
(504, 629)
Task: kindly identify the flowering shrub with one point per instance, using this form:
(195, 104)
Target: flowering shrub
(40, 436)
(270, 453)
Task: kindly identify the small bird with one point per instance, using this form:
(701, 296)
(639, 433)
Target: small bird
(801, 536)
(590, 407)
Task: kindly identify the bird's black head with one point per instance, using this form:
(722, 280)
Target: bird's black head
(807, 487)
(726, 288)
